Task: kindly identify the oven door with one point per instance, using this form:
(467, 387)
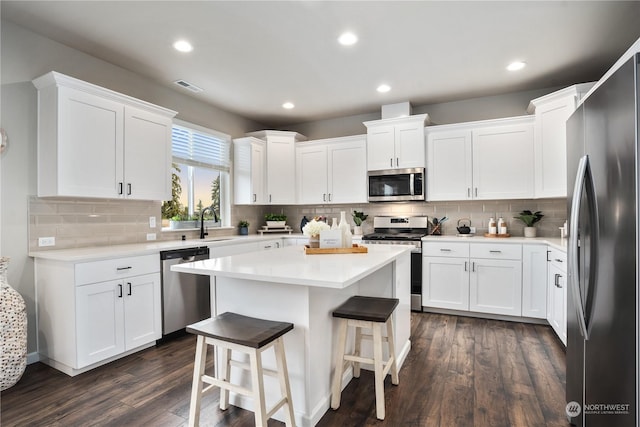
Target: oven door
(416, 279)
(396, 185)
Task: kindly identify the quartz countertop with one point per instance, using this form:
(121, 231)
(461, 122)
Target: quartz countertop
(95, 253)
(555, 242)
(290, 265)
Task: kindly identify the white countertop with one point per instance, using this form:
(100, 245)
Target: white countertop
(555, 242)
(95, 253)
(291, 265)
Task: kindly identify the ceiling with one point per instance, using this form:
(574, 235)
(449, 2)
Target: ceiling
(251, 57)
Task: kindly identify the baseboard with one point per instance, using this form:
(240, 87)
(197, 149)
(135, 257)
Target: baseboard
(33, 357)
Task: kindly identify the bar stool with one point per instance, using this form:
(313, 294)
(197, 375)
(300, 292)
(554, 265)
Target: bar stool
(231, 331)
(370, 313)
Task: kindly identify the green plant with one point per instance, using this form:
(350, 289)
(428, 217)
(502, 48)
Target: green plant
(275, 217)
(359, 217)
(173, 207)
(243, 223)
(529, 218)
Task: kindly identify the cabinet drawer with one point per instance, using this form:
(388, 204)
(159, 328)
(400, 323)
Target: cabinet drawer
(451, 249)
(496, 251)
(557, 258)
(112, 269)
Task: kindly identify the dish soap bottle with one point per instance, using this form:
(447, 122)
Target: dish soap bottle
(492, 226)
(502, 226)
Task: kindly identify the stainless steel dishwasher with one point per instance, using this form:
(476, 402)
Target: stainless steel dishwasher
(186, 298)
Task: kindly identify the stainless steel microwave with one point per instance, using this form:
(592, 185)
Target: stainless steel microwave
(396, 185)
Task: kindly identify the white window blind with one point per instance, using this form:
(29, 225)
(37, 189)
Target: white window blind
(196, 146)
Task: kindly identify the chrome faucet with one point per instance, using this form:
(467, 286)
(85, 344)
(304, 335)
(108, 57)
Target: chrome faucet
(202, 212)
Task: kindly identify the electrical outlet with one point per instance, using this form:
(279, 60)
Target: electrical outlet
(46, 241)
(152, 222)
(151, 236)
(473, 230)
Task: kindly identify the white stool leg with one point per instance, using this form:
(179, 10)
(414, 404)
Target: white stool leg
(196, 386)
(356, 351)
(392, 351)
(257, 383)
(341, 342)
(225, 375)
(377, 365)
(283, 376)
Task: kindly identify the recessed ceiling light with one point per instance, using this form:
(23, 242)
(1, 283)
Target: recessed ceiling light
(383, 88)
(347, 39)
(183, 46)
(288, 105)
(517, 65)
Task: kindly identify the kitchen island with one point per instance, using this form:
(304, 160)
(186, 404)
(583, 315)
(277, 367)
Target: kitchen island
(288, 285)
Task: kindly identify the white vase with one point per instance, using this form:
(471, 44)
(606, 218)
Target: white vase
(529, 232)
(346, 230)
(13, 318)
(357, 230)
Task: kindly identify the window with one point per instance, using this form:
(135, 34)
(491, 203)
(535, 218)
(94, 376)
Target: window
(200, 178)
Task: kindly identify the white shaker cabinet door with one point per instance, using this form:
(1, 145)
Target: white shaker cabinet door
(347, 175)
(281, 170)
(88, 161)
(445, 283)
(503, 162)
(496, 286)
(449, 165)
(311, 164)
(534, 281)
(381, 147)
(99, 321)
(142, 317)
(409, 145)
(147, 155)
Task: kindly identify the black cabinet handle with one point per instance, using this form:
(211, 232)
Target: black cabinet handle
(128, 189)
(557, 280)
(129, 284)
(123, 268)
(119, 291)
(120, 188)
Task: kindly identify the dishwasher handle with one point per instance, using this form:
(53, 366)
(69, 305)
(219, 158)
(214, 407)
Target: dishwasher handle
(199, 252)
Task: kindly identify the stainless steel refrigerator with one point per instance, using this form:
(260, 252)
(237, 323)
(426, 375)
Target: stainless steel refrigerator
(602, 317)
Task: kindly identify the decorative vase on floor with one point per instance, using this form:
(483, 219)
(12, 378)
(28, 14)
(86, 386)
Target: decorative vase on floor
(13, 334)
(529, 232)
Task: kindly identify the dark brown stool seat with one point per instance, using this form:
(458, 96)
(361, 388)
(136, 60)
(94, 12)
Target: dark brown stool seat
(235, 332)
(368, 313)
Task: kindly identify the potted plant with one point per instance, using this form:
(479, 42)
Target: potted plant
(275, 220)
(312, 229)
(358, 219)
(530, 219)
(243, 227)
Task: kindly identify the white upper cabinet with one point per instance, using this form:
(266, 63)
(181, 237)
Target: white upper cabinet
(551, 114)
(449, 165)
(396, 143)
(481, 160)
(280, 165)
(332, 171)
(249, 171)
(93, 142)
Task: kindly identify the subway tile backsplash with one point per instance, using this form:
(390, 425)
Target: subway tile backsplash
(79, 223)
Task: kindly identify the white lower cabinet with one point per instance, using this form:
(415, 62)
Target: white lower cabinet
(495, 286)
(534, 281)
(116, 316)
(482, 277)
(557, 293)
(90, 313)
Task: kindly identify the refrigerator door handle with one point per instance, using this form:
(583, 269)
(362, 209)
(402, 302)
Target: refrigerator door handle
(574, 285)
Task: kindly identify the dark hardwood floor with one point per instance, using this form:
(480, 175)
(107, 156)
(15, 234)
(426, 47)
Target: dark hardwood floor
(460, 372)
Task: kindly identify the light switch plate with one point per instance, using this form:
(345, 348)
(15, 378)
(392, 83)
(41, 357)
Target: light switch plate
(151, 236)
(152, 222)
(46, 241)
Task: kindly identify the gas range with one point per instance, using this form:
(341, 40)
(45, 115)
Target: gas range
(398, 230)
(403, 231)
